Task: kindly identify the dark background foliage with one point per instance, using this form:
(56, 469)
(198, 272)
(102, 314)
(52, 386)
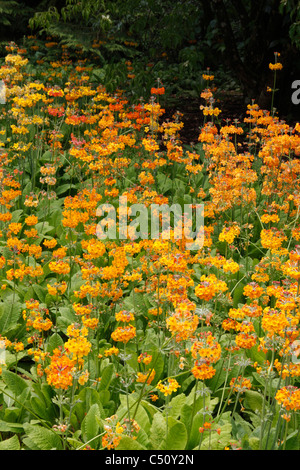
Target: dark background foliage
(236, 39)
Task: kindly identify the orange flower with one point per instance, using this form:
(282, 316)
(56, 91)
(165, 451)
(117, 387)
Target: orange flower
(289, 397)
(146, 377)
(203, 371)
(245, 340)
(158, 91)
(240, 384)
(60, 371)
(31, 220)
(253, 290)
(124, 334)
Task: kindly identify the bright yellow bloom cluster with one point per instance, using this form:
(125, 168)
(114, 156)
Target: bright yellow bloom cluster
(210, 286)
(167, 388)
(228, 234)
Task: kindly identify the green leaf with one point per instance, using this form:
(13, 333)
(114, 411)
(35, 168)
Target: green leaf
(177, 435)
(194, 430)
(16, 215)
(64, 188)
(54, 342)
(41, 401)
(164, 182)
(90, 424)
(150, 408)
(253, 400)
(238, 295)
(40, 292)
(141, 415)
(176, 404)
(254, 443)
(127, 443)
(42, 438)
(10, 312)
(66, 317)
(11, 427)
(158, 432)
(14, 382)
(74, 442)
(85, 400)
(106, 377)
(292, 441)
(215, 441)
(255, 355)
(39, 408)
(10, 444)
(43, 227)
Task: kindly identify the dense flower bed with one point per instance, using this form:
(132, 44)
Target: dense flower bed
(142, 343)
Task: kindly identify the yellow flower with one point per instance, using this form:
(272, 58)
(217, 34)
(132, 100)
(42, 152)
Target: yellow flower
(276, 66)
(168, 388)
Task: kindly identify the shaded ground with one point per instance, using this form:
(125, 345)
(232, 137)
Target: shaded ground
(231, 104)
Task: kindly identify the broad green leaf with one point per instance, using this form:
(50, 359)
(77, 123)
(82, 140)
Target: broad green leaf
(66, 317)
(39, 408)
(85, 400)
(253, 400)
(40, 292)
(238, 295)
(43, 227)
(63, 188)
(14, 382)
(11, 427)
(175, 405)
(10, 313)
(255, 355)
(74, 443)
(254, 443)
(164, 182)
(106, 377)
(151, 409)
(54, 342)
(193, 430)
(219, 378)
(216, 441)
(240, 427)
(127, 443)
(16, 215)
(143, 438)
(177, 435)
(292, 441)
(140, 414)
(158, 432)
(42, 438)
(90, 424)
(104, 396)
(10, 444)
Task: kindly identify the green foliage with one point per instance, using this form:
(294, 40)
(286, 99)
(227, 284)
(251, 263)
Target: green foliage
(14, 17)
(76, 24)
(292, 8)
(7, 12)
